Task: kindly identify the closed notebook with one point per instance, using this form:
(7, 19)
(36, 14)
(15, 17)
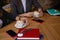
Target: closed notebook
(30, 34)
(53, 12)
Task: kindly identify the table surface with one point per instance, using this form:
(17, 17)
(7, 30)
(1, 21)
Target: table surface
(50, 28)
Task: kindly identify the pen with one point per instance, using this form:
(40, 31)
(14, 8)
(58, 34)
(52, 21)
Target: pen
(24, 31)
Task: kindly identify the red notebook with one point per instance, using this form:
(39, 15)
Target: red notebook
(29, 34)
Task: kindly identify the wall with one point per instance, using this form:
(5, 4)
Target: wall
(47, 3)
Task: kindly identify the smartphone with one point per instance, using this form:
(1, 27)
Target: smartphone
(38, 20)
(11, 33)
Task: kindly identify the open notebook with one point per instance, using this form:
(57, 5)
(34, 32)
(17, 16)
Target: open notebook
(53, 12)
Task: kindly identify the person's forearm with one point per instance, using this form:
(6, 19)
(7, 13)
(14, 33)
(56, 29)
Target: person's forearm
(29, 14)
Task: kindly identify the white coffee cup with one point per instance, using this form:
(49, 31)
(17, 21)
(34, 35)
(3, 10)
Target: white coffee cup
(36, 14)
(19, 24)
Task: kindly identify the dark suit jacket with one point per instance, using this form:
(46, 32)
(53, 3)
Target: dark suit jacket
(18, 8)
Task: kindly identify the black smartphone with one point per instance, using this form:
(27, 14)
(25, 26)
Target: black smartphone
(38, 20)
(11, 33)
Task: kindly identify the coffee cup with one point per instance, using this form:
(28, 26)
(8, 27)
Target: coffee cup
(19, 24)
(36, 14)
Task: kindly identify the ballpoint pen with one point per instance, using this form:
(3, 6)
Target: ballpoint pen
(24, 31)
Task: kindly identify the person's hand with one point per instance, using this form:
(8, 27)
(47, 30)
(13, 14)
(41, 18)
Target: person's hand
(41, 12)
(25, 20)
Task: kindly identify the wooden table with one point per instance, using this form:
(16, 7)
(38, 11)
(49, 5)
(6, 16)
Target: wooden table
(50, 28)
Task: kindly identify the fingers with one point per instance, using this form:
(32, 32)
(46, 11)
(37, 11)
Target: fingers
(17, 18)
(40, 12)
